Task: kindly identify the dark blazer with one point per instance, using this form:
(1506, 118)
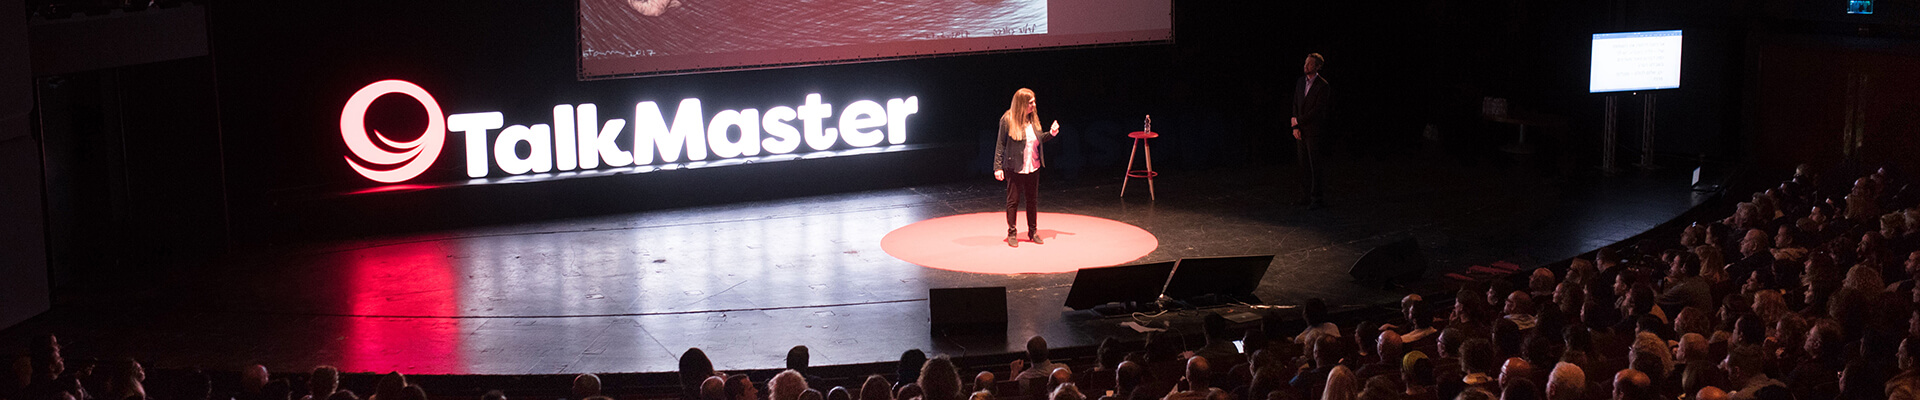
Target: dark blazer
(1007, 153)
(1312, 108)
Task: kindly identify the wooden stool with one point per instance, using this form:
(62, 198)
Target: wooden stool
(1140, 140)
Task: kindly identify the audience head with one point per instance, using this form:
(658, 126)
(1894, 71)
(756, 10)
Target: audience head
(254, 378)
(1341, 385)
(1566, 382)
(812, 394)
(390, 386)
(1314, 311)
(714, 388)
(588, 385)
(694, 368)
(908, 391)
(1037, 351)
(1127, 376)
(490, 395)
(1521, 389)
(1199, 372)
(1630, 384)
(348, 395)
(787, 385)
(1476, 393)
(839, 393)
(1515, 368)
(876, 388)
(323, 381)
(908, 369)
(1066, 391)
(1742, 362)
(797, 359)
(1693, 347)
(739, 387)
(1416, 369)
(1060, 375)
(415, 392)
(1477, 356)
(939, 380)
(1389, 347)
(1650, 354)
(1109, 354)
(1380, 387)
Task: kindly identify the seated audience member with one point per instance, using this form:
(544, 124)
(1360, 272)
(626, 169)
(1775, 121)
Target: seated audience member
(337, 395)
(1066, 391)
(1098, 379)
(1519, 309)
(1199, 378)
(1037, 366)
(739, 387)
(1522, 389)
(1340, 385)
(809, 394)
(1416, 374)
(1745, 370)
(907, 370)
(1326, 356)
(1566, 382)
(588, 385)
(939, 380)
(322, 382)
(1219, 347)
(1314, 311)
(909, 391)
(415, 392)
(129, 382)
(874, 388)
(983, 381)
(1059, 376)
(714, 388)
(798, 358)
(695, 367)
(1481, 365)
(1630, 384)
(1419, 316)
(789, 384)
(1388, 350)
(839, 393)
(980, 395)
(1515, 370)
(1126, 378)
(389, 387)
(254, 378)
(494, 395)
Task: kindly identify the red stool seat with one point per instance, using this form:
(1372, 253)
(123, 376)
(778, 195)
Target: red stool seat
(1143, 135)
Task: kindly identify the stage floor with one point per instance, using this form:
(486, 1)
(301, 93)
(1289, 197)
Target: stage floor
(744, 282)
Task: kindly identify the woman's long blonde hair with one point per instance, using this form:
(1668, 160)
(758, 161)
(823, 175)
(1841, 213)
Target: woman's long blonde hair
(1019, 125)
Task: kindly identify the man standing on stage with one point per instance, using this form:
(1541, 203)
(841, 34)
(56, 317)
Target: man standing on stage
(1312, 102)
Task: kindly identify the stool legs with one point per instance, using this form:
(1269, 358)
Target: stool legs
(1129, 174)
(1137, 144)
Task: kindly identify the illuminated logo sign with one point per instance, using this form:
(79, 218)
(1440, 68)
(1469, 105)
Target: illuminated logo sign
(579, 139)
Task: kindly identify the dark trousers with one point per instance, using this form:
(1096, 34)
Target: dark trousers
(1313, 181)
(1023, 186)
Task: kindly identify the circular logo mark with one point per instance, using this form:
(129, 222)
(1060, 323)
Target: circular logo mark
(413, 157)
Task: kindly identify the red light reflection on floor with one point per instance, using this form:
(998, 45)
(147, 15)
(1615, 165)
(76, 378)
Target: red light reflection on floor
(405, 280)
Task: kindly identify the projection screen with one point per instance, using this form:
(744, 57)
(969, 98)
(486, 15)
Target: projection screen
(628, 38)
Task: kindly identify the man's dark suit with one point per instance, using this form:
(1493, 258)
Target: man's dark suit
(1312, 108)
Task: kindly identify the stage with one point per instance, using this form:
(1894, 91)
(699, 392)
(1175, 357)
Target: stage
(744, 282)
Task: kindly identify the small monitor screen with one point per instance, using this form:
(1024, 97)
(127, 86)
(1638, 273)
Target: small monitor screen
(1634, 61)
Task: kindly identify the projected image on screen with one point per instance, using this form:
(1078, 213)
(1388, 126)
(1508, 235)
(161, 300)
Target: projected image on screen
(1631, 61)
(646, 37)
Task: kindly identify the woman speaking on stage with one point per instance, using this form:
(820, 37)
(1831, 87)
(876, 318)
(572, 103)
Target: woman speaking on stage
(1018, 158)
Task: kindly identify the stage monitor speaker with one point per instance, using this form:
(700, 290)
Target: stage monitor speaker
(968, 308)
(1204, 281)
(1400, 261)
(1138, 283)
